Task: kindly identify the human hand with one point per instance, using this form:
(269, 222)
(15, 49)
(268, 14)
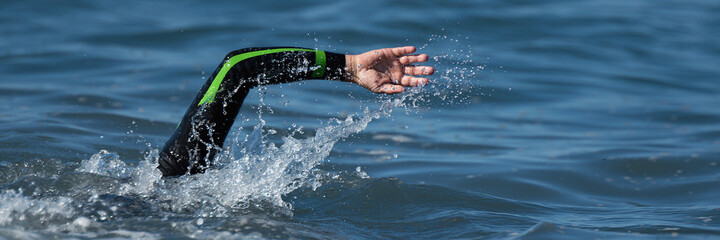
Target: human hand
(388, 70)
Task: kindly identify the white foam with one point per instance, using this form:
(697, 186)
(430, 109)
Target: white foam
(81, 222)
(261, 176)
(105, 163)
(15, 207)
(248, 172)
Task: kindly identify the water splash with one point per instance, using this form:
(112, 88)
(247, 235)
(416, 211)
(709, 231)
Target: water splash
(17, 209)
(105, 163)
(460, 83)
(262, 174)
(250, 172)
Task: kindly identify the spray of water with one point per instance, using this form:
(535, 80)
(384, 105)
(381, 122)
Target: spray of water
(457, 84)
(251, 172)
(258, 178)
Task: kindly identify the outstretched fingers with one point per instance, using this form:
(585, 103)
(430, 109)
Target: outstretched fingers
(408, 80)
(413, 81)
(399, 51)
(391, 88)
(391, 70)
(418, 70)
(410, 59)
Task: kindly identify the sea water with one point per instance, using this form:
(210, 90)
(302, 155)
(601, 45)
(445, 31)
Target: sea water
(544, 120)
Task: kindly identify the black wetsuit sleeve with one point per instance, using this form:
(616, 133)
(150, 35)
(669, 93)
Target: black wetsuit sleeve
(210, 117)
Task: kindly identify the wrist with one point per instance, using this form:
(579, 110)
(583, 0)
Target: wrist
(350, 68)
(336, 66)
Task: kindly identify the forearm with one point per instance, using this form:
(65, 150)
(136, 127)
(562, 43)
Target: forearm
(260, 66)
(208, 120)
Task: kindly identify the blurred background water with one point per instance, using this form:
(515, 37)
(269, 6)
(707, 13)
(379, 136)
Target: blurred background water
(545, 119)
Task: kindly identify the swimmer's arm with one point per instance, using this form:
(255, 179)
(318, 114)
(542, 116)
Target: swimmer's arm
(203, 129)
(387, 70)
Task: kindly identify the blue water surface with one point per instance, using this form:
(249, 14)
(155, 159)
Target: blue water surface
(544, 120)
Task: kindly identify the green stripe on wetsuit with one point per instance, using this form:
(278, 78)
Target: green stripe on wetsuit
(209, 96)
